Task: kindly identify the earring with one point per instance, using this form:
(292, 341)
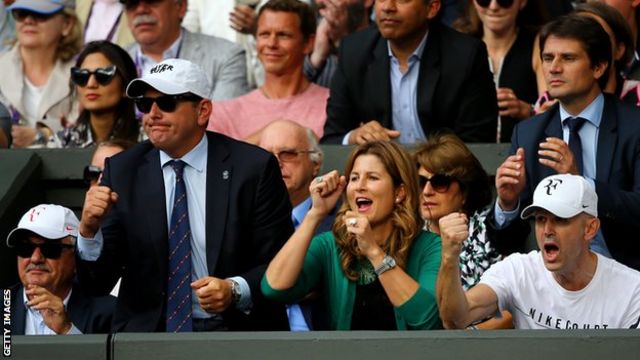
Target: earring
(397, 200)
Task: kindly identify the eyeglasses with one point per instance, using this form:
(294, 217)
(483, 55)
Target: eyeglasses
(439, 182)
(50, 250)
(91, 173)
(130, 4)
(20, 15)
(103, 75)
(291, 155)
(166, 103)
(505, 4)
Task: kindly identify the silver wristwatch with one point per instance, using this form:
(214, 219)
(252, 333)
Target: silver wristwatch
(235, 291)
(388, 263)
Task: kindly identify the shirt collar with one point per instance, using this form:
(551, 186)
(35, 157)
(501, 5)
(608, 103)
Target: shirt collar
(172, 52)
(417, 53)
(301, 210)
(196, 157)
(592, 113)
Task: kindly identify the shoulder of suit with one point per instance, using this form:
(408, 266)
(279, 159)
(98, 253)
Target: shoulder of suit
(453, 40)
(361, 41)
(215, 43)
(237, 148)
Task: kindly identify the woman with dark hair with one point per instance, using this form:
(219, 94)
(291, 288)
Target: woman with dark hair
(508, 28)
(621, 43)
(377, 269)
(453, 180)
(101, 74)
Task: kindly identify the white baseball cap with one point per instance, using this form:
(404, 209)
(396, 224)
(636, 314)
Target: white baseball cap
(172, 77)
(42, 6)
(48, 221)
(564, 196)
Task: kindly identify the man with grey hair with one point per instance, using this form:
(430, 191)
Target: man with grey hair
(564, 285)
(48, 301)
(300, 158)
(156, 27)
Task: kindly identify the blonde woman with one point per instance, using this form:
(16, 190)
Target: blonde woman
(35, 86)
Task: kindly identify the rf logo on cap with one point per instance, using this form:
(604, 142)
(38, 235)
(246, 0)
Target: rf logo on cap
(552, 184)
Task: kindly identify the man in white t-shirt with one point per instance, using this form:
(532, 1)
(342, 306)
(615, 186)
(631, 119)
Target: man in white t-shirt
(564, 285)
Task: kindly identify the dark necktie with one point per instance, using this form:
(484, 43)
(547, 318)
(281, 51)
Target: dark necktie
(575, 145)
(178, 284)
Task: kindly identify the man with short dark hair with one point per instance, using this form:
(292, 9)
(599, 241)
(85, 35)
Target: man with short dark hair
(284, 36)
(409, 77)
(189, 219)
(587, 133)
(564, 285)
(47, 302)
(156, 27)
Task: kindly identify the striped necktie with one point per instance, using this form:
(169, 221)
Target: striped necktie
(179, 306)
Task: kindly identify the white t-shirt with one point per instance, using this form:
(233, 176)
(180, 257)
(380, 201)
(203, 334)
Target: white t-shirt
(536, 301)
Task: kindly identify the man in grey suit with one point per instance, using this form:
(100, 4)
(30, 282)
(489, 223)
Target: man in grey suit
(156, 27)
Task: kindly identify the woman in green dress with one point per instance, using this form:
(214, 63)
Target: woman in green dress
(377, 269)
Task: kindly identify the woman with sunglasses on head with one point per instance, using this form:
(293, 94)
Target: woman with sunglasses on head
(35, 71)
(101, 74)
(508, 28)
(377, 269)
(453, 182)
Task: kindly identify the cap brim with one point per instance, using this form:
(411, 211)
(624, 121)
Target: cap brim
(137, 87)
(557, 209)
(17, 233)
(36, 6)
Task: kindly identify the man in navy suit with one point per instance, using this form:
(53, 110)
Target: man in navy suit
(224, 200)
(409, 77)
(576, 54)
(47, 302)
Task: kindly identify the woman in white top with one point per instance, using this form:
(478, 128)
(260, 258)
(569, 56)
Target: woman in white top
(35, 86)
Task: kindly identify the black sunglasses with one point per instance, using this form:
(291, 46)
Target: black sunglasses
(505, 4)
(20, 15)
(130, 4)
(91, 173)
(50, 250)
(439, 182)
(166, 103)
(103, 75)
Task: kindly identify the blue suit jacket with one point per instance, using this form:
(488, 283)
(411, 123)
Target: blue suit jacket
(247, 221)
(91, 315)
(617, 176)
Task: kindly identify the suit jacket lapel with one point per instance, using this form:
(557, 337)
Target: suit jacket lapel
(379, 82)
(153, 192)
(18, 311)
(219, 177)
(607, 140)
(77, 308)
(428, 78)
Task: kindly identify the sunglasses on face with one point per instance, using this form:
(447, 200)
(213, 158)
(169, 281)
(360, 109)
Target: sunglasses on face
(439, 182)
(50, 250)
(505, 4)
(103, 75)
(166, 103)
(291, 155)
(91, 173)
(131, 4)
(20, 15)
